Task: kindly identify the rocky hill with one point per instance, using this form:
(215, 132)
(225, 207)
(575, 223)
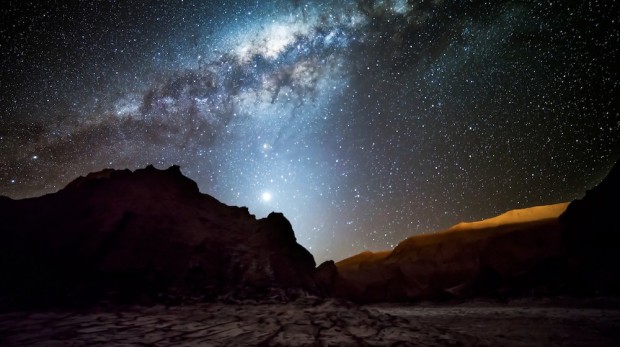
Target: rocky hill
(536, 251)
(141, 234)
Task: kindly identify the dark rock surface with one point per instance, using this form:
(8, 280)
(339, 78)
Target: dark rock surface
(598, 211)
(136, 235)
(592, 234)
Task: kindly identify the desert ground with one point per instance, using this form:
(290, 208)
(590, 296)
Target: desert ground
(318, 322)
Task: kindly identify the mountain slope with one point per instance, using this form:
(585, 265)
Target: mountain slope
(143, 232)
(467, 258)
(556, 249)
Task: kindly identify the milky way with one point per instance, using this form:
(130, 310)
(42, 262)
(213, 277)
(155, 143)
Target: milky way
(365, 122)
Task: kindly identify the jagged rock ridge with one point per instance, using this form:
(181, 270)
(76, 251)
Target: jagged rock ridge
(143, 232)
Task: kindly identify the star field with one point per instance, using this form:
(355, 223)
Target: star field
(364, 122)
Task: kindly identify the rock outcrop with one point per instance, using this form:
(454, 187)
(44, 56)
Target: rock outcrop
(143, 233)
(596, 214)
(593, 237)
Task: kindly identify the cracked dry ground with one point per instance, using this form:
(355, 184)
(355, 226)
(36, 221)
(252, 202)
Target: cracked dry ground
(316, 323)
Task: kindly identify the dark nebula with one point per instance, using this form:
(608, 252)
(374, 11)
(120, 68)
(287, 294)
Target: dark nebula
(364, 122)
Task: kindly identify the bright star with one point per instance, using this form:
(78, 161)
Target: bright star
(266, 196)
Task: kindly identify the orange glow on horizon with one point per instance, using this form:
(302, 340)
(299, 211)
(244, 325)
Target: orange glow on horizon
(524, 215)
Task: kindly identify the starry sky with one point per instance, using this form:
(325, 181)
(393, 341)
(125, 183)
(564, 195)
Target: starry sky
(364, 122)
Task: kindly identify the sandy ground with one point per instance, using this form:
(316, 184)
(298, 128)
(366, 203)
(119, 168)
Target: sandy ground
(315, 322)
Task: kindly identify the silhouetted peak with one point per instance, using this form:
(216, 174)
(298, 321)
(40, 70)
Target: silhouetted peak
(599, 205)
(277, 218)
(150, 175)
(174, 169)
(278, 225)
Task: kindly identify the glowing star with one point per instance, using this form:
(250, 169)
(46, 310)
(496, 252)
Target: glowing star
(266, 197)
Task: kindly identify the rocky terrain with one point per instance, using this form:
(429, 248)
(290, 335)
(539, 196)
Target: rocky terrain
(151, 236)
(121, 258)
(317, 322)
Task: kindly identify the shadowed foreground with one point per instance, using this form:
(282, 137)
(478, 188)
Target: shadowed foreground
(315, 322)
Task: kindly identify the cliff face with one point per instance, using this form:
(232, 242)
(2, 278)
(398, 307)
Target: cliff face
(592, 234)
(596, 214)
(140, 232)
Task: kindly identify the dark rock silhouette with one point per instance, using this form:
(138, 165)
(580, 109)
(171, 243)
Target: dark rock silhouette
(326, 277)
(143, 234)
(151, 235)
(595, 215)
(593, 237)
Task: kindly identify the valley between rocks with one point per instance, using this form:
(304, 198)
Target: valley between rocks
(318, 322)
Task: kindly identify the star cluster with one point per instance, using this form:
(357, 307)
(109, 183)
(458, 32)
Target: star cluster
(363, 121)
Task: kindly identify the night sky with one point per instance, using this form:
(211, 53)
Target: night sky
(364, 122)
